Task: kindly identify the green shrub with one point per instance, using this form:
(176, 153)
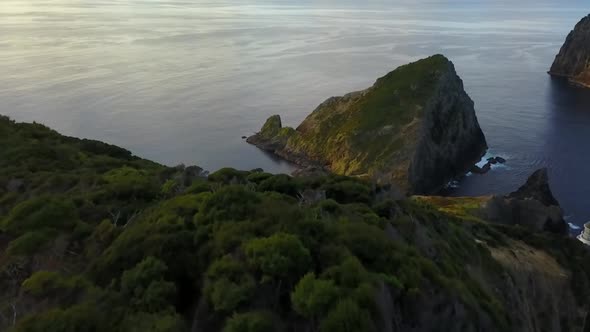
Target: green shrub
(368, 242)
(228, 176)
(330, 206)
(226, 295)
(347, 316)
(278, 256)
(83, 317)
(349, 274)
(145, 286)
(170, 188)
(127, 182)
(313, 297)
(229, 203)
(54, 285)
(154, 322)
(100, 148)
(280, 183)
(348, 192)
(258, 177)
(257, 321)
(42, 212)
(30, 243)
(198, 187)
(173, 244)
(179, 208)
(386, 209)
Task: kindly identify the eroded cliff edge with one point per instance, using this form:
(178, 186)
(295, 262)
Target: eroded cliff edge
(415, 127)
(573, 60)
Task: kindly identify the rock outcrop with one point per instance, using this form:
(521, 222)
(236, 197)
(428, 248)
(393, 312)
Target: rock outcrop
(573, 60)
(415, 127)
(532, 205)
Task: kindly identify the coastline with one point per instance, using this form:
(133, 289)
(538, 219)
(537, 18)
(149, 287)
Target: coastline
(570, 79)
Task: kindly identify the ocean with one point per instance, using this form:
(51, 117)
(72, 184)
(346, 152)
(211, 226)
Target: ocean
(181, 81)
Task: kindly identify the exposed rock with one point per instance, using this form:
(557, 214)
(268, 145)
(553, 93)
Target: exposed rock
(310, 171)
(496, 160)
(532, 205)
(537, 289)
(573, 60)
(272, 136)
(15, 185)
(488, 165)
(310, 196)
(415, 127)
(481, 170)
(536, 187)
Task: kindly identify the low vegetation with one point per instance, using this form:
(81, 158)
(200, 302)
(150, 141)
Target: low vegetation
(95, 239)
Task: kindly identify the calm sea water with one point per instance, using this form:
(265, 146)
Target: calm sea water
(181, 81)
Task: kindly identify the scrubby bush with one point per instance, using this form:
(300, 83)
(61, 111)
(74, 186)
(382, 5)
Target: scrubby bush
(258, 177)
(226, 295)
(250, 322)
(54, 286)
(83, 317)
(278, 256)
(127, 182)
(198, 187)
(146, 288)
(348, 192)
(312, 297)
(280, 183)
(228, 176)
(42, 212)
(30, 242)
(229, 203)
(347, 316)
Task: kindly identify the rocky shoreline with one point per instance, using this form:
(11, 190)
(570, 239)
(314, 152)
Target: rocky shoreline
(573, 60)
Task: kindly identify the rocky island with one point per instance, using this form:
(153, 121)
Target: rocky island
(415, 127)
(573, 60)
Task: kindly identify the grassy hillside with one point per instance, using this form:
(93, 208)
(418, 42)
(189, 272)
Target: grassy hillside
(415, 127)
(95, 239)
(348, 132)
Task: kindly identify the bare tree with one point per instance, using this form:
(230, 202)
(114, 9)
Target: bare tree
(115, 217)
(132, 218)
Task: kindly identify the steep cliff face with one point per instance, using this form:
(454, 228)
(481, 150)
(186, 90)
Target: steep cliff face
(573, 60)
(532, 206)
(415, 127)
(533, 272)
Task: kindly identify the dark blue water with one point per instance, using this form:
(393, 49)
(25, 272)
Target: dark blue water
(182, 81)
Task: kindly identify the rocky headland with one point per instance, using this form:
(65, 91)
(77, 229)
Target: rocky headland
(573, 60)
(415, 127)
(532, 206)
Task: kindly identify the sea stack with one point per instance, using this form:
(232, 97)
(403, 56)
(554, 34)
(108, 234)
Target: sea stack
(532, 205)
(573, 60)
(415, 127)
